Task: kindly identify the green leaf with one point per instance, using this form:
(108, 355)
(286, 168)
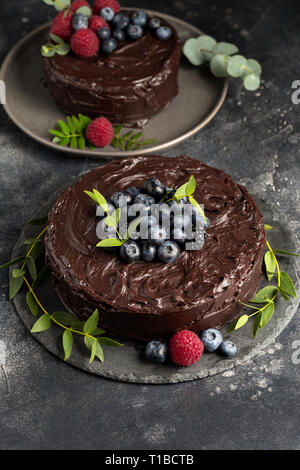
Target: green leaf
(32, 241)
(67, 343)
(31, 267)
(266, 314)
(270, 265)
(89, 342)
(77, 325)
(65, 318)
(256, 324)
(251, 82)
(32, 304)
(77, 124)
(238, 323)
(42, 324)
(94, 350)
(98, 198)
(181, 191)
(110, 242)
(15, 286)
(56, 39)
(81, 142)
(46, 51)
(198, 207)
(264, 294)
(64, 142)
(13, 262)
(132, 227)
(40, 221)
(268, 227)
(37, 250)
(56, 133)
(74, 144)
(18, 273)
(254, 66)
(193, 52)
(113, 219)
(235, 65)
(64, 128)
(287, 284)
(40, 277)
(85, 10)
(218, 66)
(224, 48)
(191, 186)
(62, 49)
(110, 342)
(92, 323)
(284, 252)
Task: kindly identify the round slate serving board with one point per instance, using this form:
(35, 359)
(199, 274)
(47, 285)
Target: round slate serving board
(127, 363)
(30, 106)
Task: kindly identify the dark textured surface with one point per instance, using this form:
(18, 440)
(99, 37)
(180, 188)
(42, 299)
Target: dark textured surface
(255, 138)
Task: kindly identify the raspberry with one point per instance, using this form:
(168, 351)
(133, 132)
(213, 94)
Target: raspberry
(84, 43)
(62, 25)
(185, 348)
(113, 4)
(100, 132)
(96, 22)
(78, 4)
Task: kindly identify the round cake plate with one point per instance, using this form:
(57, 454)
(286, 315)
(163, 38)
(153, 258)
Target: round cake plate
(31, 108)
(128, 363)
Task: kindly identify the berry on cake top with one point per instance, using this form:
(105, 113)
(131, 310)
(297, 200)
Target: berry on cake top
(97, 29)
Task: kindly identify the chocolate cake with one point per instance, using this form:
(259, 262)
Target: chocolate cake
(146, 301)
(128, 86)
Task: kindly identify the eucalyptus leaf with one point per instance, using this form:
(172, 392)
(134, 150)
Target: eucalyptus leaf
(235, 65)
(224, 48)
(218, 65)
(254, 66)
(193, 52)
(251, 82)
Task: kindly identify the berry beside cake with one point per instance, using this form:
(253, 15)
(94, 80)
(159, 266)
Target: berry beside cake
(152, 295)
(119, 64)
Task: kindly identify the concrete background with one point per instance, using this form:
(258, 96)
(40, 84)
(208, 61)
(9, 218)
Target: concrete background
(46, 404)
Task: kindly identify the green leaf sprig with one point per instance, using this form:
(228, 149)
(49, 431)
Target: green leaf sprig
(223, 60)
(130, 140)
(267, 295)
(112, 220)
(187, 190)
(89, 330)
(72, 132)
(58, 46)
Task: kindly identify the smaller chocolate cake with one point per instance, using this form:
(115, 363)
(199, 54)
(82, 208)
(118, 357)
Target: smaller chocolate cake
(151, 300)
(128, 86)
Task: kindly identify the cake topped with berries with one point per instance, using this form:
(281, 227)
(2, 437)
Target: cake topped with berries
(150, 288)
(104, 61)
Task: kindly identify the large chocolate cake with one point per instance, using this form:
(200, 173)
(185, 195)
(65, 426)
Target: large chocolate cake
(128, 86)
(145, 301)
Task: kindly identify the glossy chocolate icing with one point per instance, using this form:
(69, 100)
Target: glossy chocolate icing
(128, 86)
(152, 300)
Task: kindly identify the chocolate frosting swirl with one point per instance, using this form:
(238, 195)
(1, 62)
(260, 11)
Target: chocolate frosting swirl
(149, 300)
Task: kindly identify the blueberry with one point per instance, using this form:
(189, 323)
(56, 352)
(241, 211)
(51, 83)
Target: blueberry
(101, 213)
(163, 32)
(107, 13)
(109, 45)
(133, 190)
(154, 23)
(148, 252)
(211, 339)
(130, 251)
(119, 34)
(135, 31)
(154, 188)
(227, 348)
(121, 20)
(80, 22)
(103, 33)
(156, 351)
(179, 235)
(143, 203)
(157, 235)
(121, 199)
(139, 18)
(168, 251)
